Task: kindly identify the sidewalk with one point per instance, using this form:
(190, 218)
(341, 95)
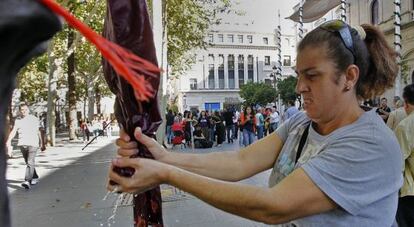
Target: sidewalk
(72, 186)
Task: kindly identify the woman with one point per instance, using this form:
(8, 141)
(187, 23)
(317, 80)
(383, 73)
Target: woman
(248, 121)
(204, 122)
(220, 130)
(328, 162)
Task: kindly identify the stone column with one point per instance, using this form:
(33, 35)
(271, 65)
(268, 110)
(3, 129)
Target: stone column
(255, 63)
(216, 79)
(236, 71)
(226, 72)
(246, 69)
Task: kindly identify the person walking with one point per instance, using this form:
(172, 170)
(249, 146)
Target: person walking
(29, 141)
(169, 122)
(219, 126)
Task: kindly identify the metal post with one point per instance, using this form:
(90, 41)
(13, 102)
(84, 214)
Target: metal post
(343, 10)
(397, 43)
(302, 2)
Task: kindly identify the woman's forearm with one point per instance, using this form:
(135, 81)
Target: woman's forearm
(218, 165)
(243, 200)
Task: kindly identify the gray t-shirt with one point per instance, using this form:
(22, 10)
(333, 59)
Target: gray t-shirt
(358, 166)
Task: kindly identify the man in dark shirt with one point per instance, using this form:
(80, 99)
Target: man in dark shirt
(228, 119)
(169, 122)
(384, 110)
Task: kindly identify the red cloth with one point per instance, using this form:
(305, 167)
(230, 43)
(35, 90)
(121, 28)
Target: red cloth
(177, 126)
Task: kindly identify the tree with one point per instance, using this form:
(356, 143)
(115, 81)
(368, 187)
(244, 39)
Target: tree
(257, 93)
(287, 89)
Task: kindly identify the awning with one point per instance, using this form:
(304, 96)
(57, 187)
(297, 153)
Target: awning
(314, 9)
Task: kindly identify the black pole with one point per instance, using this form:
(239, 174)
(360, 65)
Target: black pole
(94, 138)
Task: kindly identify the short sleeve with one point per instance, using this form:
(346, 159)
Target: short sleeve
(286, 127)
(357, 172)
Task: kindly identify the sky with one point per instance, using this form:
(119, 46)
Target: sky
(262, 15)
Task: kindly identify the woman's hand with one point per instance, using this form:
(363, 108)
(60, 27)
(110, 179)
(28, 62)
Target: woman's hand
(128, 148)
(147, 175)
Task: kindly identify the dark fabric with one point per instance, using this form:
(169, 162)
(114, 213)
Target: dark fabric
(386, 109)
(25, 25)
(228, 117)
(204, 122)
(169, 119)
(405, 211)
(127, 23)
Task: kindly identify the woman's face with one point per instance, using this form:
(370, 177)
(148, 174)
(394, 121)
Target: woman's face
(319, 84)
(248, 110)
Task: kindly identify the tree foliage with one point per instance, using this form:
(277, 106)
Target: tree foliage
(257, 93)
(33, 77)
(286, 89)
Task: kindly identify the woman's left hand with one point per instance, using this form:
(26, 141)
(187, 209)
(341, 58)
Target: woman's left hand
(148, 174)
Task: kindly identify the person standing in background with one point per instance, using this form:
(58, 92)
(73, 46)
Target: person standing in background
(259, 123)
(384, 110)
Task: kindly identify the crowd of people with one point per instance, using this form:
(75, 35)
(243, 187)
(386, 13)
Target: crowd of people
(207, 128)
(99, 126)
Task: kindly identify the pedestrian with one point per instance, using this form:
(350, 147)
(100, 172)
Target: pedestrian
(169, 122)
(384, 110)
(85, 130)
(273, 120)
(248, 120)
(405, 134)
(259, 123)
(29, 141)
(230, 128)
(397, 115)
(291, 110)
(333, 164)
(219, 126)
(204, 122)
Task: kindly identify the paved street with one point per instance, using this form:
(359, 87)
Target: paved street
(72, 187)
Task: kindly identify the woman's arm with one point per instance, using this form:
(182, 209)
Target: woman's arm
(295, 197)
(229, 166)
(233, 165)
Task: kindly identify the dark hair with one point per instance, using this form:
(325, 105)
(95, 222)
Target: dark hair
(408, 94)
(245, 110)
(375, 59)
(22, 104)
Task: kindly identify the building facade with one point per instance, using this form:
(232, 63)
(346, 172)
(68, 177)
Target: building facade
(236, 55)
(381, 13)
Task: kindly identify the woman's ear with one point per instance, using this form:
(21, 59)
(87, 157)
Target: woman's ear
(351, 77)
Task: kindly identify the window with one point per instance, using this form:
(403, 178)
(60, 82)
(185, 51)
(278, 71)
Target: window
(250, 68)
(210, 38)
(220, 38)
(240, 38)
(265, 40)
(221, 71)
(375, 12)
(230, 63)
(286, 60)
(211, 82)
(193, 84)
(230, 38)
(267, 60)
(241, 70)
(250, 39)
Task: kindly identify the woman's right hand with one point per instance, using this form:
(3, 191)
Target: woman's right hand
(127, 148)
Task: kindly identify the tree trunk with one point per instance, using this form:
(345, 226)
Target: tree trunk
(159, 17)
(54, 66)
(98, 100)
(91, 99)
(72, 122)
